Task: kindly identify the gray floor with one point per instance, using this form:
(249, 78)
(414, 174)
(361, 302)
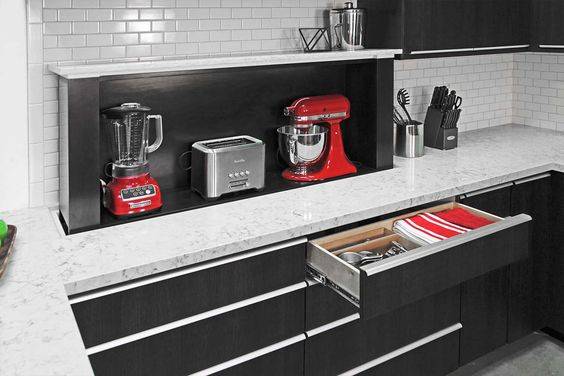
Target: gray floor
(537, 354)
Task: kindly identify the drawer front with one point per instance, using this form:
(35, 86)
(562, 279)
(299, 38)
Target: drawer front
(350, 345)
(483, 314)
(437, 358)
(383, 286)
(288, 361)
(452, 262)
(323, 306)
(206, 343)
(118, 312)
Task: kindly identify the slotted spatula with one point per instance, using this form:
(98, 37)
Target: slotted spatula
(403, 100)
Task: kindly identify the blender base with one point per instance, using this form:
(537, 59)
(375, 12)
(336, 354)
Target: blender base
(132, 196)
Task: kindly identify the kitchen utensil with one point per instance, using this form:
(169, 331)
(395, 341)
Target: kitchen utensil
(451, 101)
(227, 165)
(439, 94)
(7, 248)
(400, 248)
(132, 190)
(398, 118)
(458, 102)
(409, 140)
(312, 153)
(357, 259)
(403, 100)
(348, 25)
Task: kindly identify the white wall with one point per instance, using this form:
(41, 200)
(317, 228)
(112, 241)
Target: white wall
(13, 105)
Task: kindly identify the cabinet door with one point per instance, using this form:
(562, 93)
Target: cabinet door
(501, 23)
(483, 312)
(484, 299)
(439, 24)
(455, 24)
(529, 278)
(348, 346)
(547, 22)
(557, 275)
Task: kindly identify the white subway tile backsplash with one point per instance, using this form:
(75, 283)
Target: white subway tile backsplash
(538, 90)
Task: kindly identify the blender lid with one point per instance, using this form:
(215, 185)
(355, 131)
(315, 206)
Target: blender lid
(126, 108)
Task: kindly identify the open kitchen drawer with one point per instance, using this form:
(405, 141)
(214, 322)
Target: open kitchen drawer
(388, 284)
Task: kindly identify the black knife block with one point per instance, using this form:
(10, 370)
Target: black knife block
(436, 136)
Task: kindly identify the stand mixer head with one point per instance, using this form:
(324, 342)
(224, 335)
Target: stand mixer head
(306, 114)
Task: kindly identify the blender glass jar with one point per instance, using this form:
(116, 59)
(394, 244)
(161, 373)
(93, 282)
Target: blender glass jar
(129, 133)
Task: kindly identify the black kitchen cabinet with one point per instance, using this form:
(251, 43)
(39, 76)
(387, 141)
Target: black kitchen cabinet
(435, 25)
(529, 279)
(436, 358)
(189, 292)
(351, 345)
(547, 23)
(197, 346)
(557, 262)
(483, 313)
(288, 361)
(484, 299)
(324, 306)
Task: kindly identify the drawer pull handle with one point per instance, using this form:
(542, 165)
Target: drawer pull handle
(403, 350)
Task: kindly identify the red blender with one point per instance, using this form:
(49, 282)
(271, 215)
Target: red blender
(312, 151)
(132, 190)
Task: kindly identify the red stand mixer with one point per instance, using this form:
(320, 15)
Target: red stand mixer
(132, 190)
(312, 151)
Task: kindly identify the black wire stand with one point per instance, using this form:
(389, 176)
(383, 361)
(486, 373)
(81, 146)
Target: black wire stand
(321, 33)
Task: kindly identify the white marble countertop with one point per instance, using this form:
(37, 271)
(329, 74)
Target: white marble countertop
(217, 62)
(38, 334)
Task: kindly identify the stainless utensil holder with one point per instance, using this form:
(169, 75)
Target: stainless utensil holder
(436, 136)
(409, 139)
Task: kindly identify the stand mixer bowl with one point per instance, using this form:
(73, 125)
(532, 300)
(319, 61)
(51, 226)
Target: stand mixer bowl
(302, 148)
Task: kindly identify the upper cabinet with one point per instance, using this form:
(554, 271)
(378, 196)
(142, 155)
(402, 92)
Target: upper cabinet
(548, 31)
(435, 26)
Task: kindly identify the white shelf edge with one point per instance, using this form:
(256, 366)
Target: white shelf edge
(123, 68)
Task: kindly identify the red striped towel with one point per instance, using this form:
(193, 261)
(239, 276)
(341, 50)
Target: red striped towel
(464, 218)
(426, 228)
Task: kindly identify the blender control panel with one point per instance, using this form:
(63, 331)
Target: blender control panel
(135, 193)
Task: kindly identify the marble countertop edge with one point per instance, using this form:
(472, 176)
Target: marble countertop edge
(78, 71)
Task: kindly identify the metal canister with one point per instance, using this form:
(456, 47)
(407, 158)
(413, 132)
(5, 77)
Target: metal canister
(334, 28)
(349, 31)
(409, 140)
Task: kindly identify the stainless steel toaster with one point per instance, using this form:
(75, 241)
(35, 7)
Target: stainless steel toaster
(227, 165)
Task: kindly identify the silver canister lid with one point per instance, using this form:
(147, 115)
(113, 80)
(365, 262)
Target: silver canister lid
(349, 8)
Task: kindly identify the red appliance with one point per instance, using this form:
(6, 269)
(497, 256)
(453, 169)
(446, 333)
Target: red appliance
(327, 109)
(132, 190)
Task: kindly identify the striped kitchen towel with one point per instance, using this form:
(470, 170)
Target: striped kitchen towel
(427, 228)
